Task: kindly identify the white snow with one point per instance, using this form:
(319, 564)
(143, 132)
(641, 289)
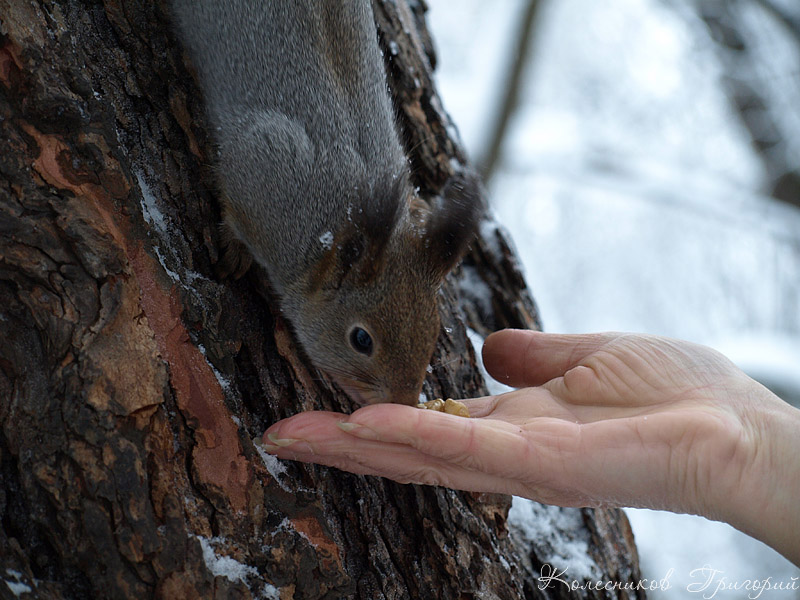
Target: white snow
(150, 209)
(273, 464)
(558, 534)
(270, 592)
(286, 524)
(726, 555)
(153, 215)
(223, 381)
(162, 247)
(172, 274)
(326, 239)
(17, 587)
(224, 566)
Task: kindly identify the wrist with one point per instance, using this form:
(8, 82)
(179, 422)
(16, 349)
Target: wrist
(766, 502)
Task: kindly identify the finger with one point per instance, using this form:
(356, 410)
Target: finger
(315, 426)
(487, 445)
(521, 358)
(520, 406)
(481, 407)
(619, 462)
(498, 469)
(482, 445)
(315, 437)
(403, 464)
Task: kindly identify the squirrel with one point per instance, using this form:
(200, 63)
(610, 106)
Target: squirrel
(316, 185)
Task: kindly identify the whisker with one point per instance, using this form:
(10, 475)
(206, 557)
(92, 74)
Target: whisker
(420, 143)
(353, 372)
(442, 365)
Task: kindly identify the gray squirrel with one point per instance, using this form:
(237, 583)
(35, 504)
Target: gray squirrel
(316, 185)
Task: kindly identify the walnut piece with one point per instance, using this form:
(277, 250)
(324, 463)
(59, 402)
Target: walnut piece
(449, 406)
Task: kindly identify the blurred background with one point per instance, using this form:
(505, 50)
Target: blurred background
(645, 156)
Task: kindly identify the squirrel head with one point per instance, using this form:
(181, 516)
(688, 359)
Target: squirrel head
(374, 336)
(368, 314)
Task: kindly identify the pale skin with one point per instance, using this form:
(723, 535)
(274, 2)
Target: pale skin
(600, 420)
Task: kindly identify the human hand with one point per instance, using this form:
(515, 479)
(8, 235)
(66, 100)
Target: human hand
(623, 420)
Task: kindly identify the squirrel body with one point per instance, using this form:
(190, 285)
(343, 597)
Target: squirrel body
(316, 185)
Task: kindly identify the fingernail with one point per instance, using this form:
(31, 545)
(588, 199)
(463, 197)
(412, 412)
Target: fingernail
(358, 430)
(262, 446)
(281, 442)
(348, 427)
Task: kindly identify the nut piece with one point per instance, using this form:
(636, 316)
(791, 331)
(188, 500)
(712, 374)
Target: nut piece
(449, 406)
(454, 407)
(437, 405)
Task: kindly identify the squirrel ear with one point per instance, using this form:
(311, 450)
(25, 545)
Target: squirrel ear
(453, 222)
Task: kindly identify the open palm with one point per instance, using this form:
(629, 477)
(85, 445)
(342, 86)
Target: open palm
(602, 419)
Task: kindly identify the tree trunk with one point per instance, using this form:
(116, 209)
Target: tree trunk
(132, 379)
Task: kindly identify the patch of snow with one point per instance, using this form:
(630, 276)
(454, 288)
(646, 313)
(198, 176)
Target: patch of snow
(270, 592)
(273, 464)
(488, 231)
(287, 525)
(18, 588)
(192, 276)
(224, 566)
(223, 381)
(172, 274)
(150, 209)
(186, 278)
(474, 288)
(558, 534)
(661, 551)
(505, 563)
(326, 239)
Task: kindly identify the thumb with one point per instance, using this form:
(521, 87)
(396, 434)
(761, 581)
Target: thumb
(522, 358)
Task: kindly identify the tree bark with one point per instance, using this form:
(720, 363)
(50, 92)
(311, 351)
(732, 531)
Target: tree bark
(132, 379)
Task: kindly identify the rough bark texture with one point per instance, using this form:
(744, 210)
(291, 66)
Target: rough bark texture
(132, 380)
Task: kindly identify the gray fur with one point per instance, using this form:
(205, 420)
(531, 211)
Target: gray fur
(316, 184)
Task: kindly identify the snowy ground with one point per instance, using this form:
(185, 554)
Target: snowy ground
(631, 192)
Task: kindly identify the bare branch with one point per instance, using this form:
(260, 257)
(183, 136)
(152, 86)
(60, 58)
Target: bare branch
(791, 23)
(520, 58)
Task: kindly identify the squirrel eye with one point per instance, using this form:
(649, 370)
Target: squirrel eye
(361, 341)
